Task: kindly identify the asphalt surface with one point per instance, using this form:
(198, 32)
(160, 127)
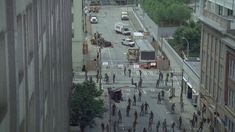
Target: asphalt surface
(113, 60)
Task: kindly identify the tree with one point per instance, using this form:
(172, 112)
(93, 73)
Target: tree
(85, 104)
(192, 32)
(167, 12)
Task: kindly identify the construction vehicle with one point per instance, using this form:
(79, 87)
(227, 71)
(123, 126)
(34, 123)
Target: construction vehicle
(95, 6)
(97, 39)
(133, 55)
(143, 53)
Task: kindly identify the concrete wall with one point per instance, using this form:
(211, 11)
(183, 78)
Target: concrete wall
(36, 46)
(78, 35)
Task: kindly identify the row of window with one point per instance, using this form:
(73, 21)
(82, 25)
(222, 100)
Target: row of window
(218, 9)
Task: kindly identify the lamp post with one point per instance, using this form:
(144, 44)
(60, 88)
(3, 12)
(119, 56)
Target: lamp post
(187, 45)
(100, 67)
(182, 86)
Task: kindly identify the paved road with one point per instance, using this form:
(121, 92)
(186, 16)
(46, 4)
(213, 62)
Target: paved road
(108, 16)
(115, 57)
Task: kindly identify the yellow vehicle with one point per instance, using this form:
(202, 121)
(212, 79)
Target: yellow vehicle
(133, 55)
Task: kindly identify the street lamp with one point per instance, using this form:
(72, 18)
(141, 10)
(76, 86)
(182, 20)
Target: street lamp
(182, 86)
(187, 46)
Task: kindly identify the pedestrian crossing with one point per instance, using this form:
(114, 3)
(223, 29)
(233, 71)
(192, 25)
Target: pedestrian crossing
(134, 73)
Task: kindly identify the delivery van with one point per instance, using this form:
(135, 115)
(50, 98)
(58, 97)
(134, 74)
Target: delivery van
(122, 28)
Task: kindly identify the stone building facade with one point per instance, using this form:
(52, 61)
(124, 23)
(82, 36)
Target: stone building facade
(35, 65)
(217, 84)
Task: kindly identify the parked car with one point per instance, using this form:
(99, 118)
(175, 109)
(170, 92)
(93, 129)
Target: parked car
(128, 42)
(94, 19)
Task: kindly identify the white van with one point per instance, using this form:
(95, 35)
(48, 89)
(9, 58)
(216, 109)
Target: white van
(124, 15)
(122, 28)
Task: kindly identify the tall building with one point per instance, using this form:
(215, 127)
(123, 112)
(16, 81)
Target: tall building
(217, 85)
(35, 65)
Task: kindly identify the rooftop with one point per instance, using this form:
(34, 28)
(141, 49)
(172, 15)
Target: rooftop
(144, 45)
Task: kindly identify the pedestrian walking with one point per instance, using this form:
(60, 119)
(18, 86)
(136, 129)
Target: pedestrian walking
(140, 94)
(115, 126)
(128, 108)
(158, 126)
(140, 83)
(164, 126)
(200, 129)
(125, 70)
(195, 118)
(150, 125)
(159, 98)
(157, 83)
(129, 101)
(114, 78)
(113, 109)
(163, 94)
(132, 81)
(173, 107)
(144, 130)
(146, 107)
(129, 130)
(173, 126)
(142, 110)
(134, 126)
(119, 116)
(129, 72)
(102, 127)
(136, 116)
(107, 127)
(192, 123)
(134, 100)
(180, 122)
(140, 72)
(151, 116)
(182, 106)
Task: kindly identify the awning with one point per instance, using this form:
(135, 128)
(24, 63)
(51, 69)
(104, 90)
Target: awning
(185, 79)
(189, 84)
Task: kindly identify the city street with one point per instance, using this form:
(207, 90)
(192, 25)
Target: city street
(113, 60)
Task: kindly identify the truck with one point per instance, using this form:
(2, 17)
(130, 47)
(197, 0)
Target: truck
(143, 53)
(94, 6)
(124, 15)
(122, 28)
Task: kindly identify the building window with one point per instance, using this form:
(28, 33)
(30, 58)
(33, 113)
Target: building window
(232, 69)
(216, 46)
(203, 78)
(231, 99)
(3, 84)
(221, 73)
(229, 124)
(230, 12)
(220, 9)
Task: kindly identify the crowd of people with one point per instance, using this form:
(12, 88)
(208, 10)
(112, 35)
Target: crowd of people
(161, 125)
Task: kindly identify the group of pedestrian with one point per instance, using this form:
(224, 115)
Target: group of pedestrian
(105, 127)
(160, 79)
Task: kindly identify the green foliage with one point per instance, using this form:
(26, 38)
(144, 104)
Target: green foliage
(167, 12)
(192, 32)
(85, 104)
